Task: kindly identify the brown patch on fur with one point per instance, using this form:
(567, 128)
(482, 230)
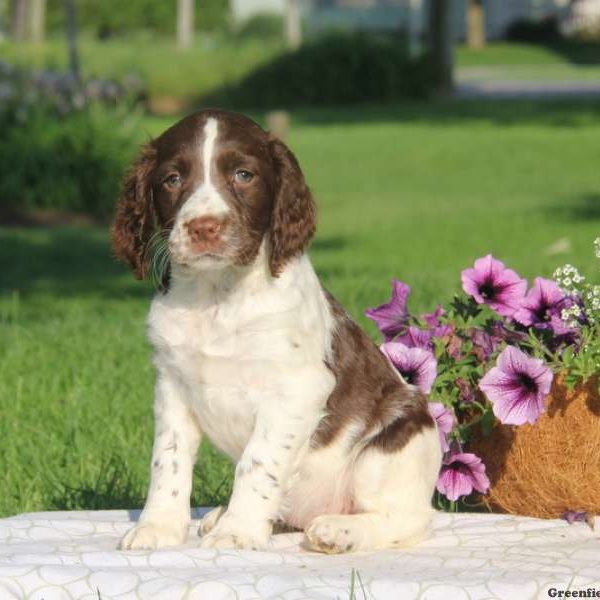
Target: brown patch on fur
(133, 223)
(368, 390)
(294, 217)
(552, 466)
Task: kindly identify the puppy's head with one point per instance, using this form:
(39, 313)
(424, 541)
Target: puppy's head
(212, 187)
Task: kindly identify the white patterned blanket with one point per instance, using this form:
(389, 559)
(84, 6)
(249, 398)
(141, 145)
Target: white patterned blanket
(56, 555)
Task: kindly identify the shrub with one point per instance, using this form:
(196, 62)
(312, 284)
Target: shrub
(337, 69)
(260, 27)
(73, 162)
(536, 32)
(110, 17)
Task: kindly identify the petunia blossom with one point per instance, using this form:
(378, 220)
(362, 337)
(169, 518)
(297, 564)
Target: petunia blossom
(433, 319)
(391, 318)
(416, 365)
(444, 421)
(436, 327)
(490, 282)
(517, 386)
(578, 516)
(466, 393)
(417, 338)
(543, 301)
(510, 336)
(454, 346)
(462, 473)
(484, 344)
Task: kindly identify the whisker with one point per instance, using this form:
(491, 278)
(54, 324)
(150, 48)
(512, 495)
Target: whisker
(158, 247)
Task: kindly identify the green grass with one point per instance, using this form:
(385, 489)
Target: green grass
(565, 61)
(518, 53)
(213, 61)
(414, 192)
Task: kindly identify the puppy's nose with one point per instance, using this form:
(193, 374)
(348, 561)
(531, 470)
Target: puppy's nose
(204, 228)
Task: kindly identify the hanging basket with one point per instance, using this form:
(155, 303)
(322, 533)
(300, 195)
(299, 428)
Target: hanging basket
(553, 466)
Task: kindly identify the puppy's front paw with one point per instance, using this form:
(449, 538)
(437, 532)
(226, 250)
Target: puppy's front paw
(229, 533)
(238, 540)
(149, 535)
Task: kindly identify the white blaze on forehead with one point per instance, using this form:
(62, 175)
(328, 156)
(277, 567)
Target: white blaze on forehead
(210, 136)
(205, 200)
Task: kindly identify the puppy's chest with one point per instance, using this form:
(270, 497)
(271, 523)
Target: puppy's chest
(220, 357)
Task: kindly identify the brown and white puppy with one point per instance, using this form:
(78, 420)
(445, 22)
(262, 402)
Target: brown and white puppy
(252, 352)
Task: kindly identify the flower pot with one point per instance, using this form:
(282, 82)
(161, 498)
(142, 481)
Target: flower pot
(553, 466)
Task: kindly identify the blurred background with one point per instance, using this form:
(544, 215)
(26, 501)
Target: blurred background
(431, 132)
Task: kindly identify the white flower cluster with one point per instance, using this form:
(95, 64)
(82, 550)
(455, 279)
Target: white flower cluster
(568, 278)
(571, 315)
(592, 300)
(572, 283)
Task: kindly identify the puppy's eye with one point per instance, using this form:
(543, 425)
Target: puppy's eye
(173, 181)
(243, 176)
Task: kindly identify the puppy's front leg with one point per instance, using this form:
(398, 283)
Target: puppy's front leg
(166, 515)
(260, 476)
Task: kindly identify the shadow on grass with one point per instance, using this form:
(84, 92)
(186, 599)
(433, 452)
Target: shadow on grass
(580, 208)
(577, 53)
(65, 262)
(556, 113)
(114, 488)
(332, 243)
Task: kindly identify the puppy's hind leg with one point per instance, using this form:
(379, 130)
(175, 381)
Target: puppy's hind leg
(392, 491)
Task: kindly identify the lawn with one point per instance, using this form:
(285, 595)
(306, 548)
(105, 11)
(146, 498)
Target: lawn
(563, 61)
(414, 192)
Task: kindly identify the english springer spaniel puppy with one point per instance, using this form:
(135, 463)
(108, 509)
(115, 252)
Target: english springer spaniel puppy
(252, 352)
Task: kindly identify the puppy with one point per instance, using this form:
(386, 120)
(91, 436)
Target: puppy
(252, 352)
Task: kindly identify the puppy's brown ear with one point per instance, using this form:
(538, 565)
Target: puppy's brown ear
(133, 221)
(294, 218)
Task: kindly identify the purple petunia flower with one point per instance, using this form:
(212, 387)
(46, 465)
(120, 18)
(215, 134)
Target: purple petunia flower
(491, 283)
(444, 420)
(466, 393)
(416, 365)
(517, 386)
(433, 319)
(443, 330)
(578, 516)
(454, 346)
(543, 301)
(484, 344)
(417, 338)
(392, 317)
(437, 328)
(462, 473)
(510, 336)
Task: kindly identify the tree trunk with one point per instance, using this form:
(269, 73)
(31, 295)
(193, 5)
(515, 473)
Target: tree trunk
(37, 20)
(415, 27)
(475, 24)
(293, 25)
(185, 23)
(18, 19)
(72, 41)
(441, 46)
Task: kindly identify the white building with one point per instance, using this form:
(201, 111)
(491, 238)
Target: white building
(242, 10)
(402, 15)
